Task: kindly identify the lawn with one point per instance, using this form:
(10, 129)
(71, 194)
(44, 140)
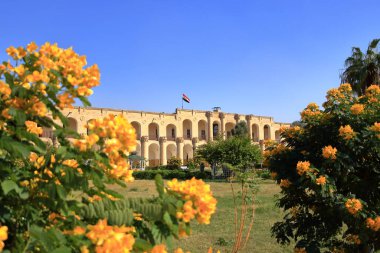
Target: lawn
(219, 234)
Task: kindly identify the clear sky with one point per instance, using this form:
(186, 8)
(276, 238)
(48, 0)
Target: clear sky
(251, 57)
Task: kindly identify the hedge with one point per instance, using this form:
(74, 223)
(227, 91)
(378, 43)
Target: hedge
(170, 174)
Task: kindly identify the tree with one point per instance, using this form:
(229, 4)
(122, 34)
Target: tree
(58, 199)
(328, 168)
(236, 154)
(236, 151)
(362, 69)
(241, 129)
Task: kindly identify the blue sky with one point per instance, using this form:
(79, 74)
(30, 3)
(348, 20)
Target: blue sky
(251, 57)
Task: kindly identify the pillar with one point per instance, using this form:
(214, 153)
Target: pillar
(180, 148)
(249, 118)
(237, 118)
(209, 122)
(144, 147)
(195, 141)
(262, 145)
(163, 160)
(221, 116)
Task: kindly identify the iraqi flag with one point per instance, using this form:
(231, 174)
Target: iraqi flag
(185, 98)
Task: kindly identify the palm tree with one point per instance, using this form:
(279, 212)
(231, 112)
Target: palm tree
(362, 70)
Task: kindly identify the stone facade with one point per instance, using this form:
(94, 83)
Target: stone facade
(163, 135)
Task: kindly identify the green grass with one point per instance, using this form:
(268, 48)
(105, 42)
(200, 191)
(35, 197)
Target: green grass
(220, 233)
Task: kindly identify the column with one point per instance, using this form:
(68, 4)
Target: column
(180, 148)
(237, 118)
(221, 116)
(195, 141)
(163, 151)
(262, 145)
(144, 147)
(261, 131)
(209, 124)
(248, 118)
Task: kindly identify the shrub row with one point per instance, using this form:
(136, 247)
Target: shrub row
(170, 174)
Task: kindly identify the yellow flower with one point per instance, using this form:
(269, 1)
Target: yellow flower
(375, 127)
(338, 250)
(5, 113)
(32, 127)
(346, 132)
(160, 248)
(52, 159)
(357, 109)
(345, 88)
(371, 93)
(16, 53)
(329, 152)
(31, 47)
(334, 94)
(39, 108)
(5, 91)
(210, 250)
(321, 180)
(285, 183)
(38, 161)
(71, 163)
(312, 106)
(311, 110)
(353, 239)
(111, 238)
(303, 167)
(300, 250)
(353, 206)
(373, 224)
(3, 233)
(20, 70)
(200, 203)
(79, 231)
(33, 157)
(119, 137)
(66, 100)
(84, 249)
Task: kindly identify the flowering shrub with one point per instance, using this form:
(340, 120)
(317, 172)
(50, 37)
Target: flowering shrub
(55, 198)
(329, 171)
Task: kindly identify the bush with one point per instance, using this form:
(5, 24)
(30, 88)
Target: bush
(170, 174)
(56, 198)
(329, 172)
(174, 163)
(263, 173)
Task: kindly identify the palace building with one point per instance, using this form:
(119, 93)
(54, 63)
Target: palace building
(164, 135)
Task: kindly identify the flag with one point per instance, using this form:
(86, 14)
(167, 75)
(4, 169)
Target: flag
(185, 98)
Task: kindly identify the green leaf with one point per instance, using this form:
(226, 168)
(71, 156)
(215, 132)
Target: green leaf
(14, 147)
(24, 195)
(62, 249)
(9, 185)
(8, 78)
(85, 101)
(159, 184)
(141, 245)
(168, 221)
(61, 151)
(61, 192)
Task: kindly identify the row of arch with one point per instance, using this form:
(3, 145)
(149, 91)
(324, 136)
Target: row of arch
(154, 155)
(171, 130)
